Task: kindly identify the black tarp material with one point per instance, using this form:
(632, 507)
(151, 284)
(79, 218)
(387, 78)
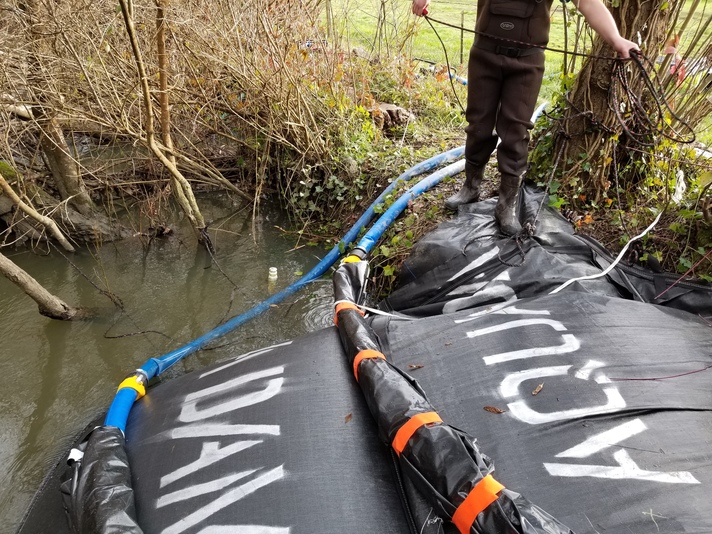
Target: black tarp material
(277, 441)
(464, 263)
(593, 402)
(443, 463)
(616, 439)
(595, 399)
(99, 496)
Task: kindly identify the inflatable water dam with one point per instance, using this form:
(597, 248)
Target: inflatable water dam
(506, 386)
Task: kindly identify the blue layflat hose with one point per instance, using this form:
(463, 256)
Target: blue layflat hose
(374, 234)
(125, 397)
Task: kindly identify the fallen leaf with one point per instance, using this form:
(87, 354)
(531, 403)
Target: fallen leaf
(492, 409)
(415, 366)
(537, 389)
(671, 44)
(348, 418)
(681, 72)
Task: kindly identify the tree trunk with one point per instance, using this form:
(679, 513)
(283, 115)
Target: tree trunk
(65, 169)
(49, 305)
(590, 128)
(45, 221)
(181, 187)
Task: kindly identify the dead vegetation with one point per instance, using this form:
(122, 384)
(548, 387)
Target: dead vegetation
(191, 94)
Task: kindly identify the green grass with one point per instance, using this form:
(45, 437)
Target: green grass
(411, 37)
(704, 131)
(357, 24)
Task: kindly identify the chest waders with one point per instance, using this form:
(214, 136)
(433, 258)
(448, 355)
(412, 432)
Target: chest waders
(504, 78)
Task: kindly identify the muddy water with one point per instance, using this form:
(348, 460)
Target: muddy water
(55, 377)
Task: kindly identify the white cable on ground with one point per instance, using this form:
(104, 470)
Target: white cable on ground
(615, 262)
(376, 311)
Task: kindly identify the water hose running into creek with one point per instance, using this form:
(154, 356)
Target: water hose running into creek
(134, 387)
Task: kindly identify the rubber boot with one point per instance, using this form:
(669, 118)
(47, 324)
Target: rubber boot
(470, 190)
(506, 210)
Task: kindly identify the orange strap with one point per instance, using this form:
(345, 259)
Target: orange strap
(345, 306)
(363, 355)
(482, 495)
(408, 429)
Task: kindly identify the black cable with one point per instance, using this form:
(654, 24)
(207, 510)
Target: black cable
(114, 298)
(628, 105)
(447, 64)
(646, 125)
(513, 41)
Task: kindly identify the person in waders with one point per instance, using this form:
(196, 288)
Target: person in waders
(504, 73)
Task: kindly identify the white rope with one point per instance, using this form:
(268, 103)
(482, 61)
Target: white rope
(374, 310)
(615, 262)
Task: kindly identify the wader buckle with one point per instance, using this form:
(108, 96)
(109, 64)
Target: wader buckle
(508, 51)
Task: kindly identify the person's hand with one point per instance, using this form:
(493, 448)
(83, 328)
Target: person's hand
(420, 7)
(624, 46)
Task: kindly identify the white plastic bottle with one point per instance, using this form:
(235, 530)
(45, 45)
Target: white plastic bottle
(271, 279)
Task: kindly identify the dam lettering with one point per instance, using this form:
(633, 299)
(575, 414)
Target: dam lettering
(558, 341)
(198, 414)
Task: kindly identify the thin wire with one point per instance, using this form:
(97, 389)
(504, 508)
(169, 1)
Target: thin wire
(663, 377)
(513, 41)
(447, 64)
(530, 228)
(518, 243)
(645, 126)
(375, 311)
(684, 275)
(115, 299)
(621, 211)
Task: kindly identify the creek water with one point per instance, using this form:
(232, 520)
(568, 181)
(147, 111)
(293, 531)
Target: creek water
(58, 376)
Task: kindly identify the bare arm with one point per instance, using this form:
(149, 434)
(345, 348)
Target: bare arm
(601, 20)
(419, 6)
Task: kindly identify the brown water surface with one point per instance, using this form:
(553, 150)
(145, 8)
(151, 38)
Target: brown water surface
(56, 377)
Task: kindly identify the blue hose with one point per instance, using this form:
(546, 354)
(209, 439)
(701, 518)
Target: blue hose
(121, 405)
(374, 234)
(458, 79)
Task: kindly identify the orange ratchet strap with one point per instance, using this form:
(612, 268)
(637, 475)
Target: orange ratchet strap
(345, 306)
(363, 355)
(480, 497)
(408, 429)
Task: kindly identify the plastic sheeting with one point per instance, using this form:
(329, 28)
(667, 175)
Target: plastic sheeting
(443, 462)
(597, 406)
(594, 402)
(99, 496)
(277, 441)
(464, 263)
